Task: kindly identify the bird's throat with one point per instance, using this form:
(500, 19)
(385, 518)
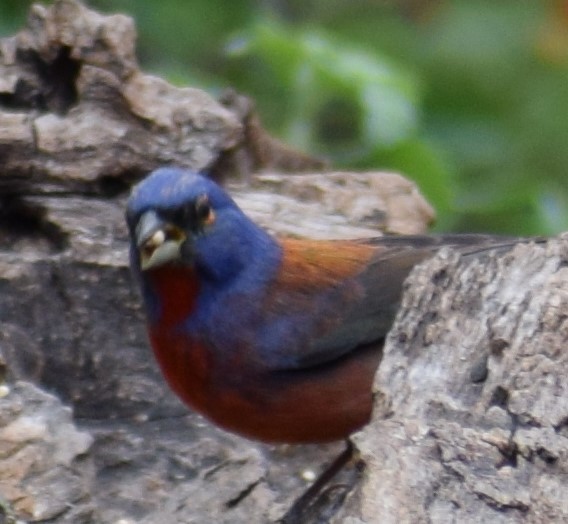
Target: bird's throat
(176, 290)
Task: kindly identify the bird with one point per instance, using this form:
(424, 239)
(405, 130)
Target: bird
(275, 339)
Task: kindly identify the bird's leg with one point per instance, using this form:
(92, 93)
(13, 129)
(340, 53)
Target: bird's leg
(298, 511)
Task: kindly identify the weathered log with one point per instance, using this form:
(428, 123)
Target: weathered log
(471, 419)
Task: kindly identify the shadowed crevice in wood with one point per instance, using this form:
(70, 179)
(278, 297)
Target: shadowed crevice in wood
(25, 226)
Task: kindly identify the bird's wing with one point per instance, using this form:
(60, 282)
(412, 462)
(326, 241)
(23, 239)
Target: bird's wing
(343, 295)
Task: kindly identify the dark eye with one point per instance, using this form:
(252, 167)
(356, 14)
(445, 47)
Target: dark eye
(203, 212)
(194, 214)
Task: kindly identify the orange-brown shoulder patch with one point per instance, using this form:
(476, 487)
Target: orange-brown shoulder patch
(313, 264)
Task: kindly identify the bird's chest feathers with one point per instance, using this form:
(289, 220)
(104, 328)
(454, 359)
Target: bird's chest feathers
(184, 361)
(175, 290)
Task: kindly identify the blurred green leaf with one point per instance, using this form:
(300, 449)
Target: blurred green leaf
(425, 164)
(322, 72)
(13, 14)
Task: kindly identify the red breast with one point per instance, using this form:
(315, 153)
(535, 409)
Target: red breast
(184, 361)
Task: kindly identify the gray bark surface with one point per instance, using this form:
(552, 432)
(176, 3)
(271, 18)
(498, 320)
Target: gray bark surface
(471, 419)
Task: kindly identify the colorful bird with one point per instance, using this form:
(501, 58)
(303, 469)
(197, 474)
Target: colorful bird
(275, 339)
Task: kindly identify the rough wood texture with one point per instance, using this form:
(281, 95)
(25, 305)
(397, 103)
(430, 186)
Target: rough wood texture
(82, 116)
(79, 122)
(471, 422)
(335, 204)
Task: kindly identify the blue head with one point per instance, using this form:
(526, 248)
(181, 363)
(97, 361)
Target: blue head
(179, 217)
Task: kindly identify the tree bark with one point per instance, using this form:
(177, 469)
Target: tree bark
(471, 418)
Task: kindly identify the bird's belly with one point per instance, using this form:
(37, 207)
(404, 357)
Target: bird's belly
(186, 365)
(325, 404)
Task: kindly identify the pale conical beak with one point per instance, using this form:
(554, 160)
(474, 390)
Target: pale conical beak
(158, 242)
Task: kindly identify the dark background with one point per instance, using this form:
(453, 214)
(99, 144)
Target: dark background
(467, 97)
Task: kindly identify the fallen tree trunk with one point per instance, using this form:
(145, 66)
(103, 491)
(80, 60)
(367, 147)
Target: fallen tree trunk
(79, 123)
(471, 418)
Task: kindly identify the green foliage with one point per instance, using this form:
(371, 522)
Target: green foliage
(467, 97)
(12, 15)
(369, 98)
